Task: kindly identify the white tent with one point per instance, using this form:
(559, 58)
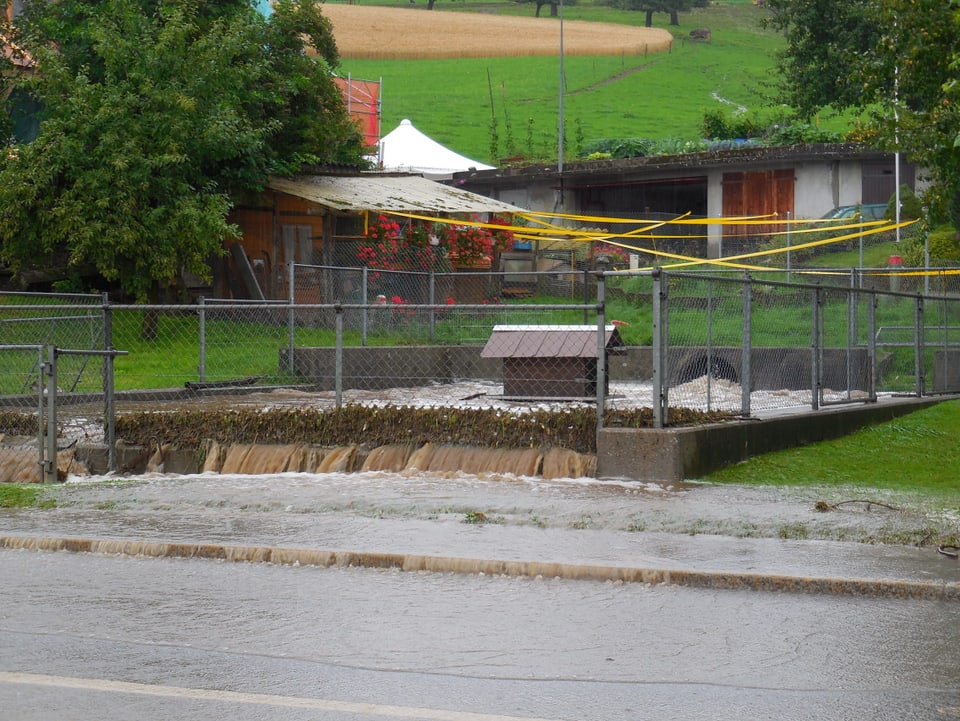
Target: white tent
(407, 149)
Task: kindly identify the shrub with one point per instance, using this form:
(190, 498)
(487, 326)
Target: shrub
(944, 244)
(619, 147)
(910, 206)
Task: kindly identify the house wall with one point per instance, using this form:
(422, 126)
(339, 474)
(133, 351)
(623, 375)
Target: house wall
(539, 196)
(818, 186)
(823, 178)
(276, 228)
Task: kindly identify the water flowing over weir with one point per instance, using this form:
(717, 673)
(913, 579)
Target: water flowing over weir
(20, 464)
(258, 459)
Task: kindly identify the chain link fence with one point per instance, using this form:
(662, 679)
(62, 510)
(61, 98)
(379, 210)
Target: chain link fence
(753, 345)
(731, 342)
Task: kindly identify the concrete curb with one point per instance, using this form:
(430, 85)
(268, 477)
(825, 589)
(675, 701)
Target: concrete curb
(939, 591)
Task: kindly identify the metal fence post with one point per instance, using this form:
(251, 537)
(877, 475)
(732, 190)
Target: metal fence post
(746, 345)
(601, 350)
(815, 331)
(109, 407)
(944, 307)
(852, 326)
(41, 384)
(432, 300)
(788, 246)
(364, 280)
(202, 361)
(338, 358)
(918, 349)
(291, 322)
(50, 388)
(660, 400)
(872, 345)
(710, 360)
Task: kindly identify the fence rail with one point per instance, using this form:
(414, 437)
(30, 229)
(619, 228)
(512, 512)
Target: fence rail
(743, 344)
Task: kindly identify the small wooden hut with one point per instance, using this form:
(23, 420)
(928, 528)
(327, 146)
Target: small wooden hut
(550, 361)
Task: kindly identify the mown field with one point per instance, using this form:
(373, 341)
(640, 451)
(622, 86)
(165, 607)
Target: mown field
(506, 102)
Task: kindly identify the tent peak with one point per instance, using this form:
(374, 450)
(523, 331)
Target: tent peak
(408, 149)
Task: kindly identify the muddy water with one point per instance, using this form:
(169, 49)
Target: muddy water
(252, 459)
(278, 504)
(22, 465)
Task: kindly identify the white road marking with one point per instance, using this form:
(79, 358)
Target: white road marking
(199, 694)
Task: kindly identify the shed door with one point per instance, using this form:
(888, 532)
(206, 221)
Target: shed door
(297, 244)
(879, 180)
(765, 192)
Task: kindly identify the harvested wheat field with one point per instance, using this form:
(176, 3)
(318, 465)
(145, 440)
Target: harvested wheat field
(397, 33)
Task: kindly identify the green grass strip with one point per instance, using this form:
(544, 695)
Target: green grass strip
(916, 453)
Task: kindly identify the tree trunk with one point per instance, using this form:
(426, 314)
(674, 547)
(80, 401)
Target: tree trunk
(151, 323)
(649, 22)
(674, 17)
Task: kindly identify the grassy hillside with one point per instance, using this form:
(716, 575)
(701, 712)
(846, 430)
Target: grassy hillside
(656, 96)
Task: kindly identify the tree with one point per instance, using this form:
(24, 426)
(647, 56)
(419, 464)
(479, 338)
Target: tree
(897, 60)
(672, 7)
(156, 115)
(825, 41)
(553, 7)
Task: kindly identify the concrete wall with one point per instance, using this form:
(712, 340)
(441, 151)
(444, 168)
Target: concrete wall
(946, 371)
(374, 367)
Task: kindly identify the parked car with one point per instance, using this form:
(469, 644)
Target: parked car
(868, 211)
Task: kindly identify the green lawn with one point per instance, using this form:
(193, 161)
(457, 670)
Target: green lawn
(916, 453)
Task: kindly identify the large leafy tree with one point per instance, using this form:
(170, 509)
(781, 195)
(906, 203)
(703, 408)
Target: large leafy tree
(649, 7)
(896, 60)
(155, 116)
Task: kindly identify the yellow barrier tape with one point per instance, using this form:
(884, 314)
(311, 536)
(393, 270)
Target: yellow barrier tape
(549, 232)
(683, 219)
(607, 219)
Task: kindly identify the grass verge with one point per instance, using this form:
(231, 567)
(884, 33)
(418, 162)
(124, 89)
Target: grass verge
(917, 453)
(13, 495)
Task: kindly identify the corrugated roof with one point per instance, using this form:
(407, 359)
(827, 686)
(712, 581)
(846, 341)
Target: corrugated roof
(539, 341)
(386, 193)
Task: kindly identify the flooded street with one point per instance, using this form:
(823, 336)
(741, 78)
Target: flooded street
(111, 638)
(760, 606)
(277, 503)
(127, 633)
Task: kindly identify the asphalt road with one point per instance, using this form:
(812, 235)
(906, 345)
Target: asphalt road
(85, 636)
(521, 617)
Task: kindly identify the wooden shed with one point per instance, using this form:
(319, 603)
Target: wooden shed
(550, 361)
(302, 219)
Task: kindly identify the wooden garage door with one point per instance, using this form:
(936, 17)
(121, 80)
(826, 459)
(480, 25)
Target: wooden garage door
(761, 193)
